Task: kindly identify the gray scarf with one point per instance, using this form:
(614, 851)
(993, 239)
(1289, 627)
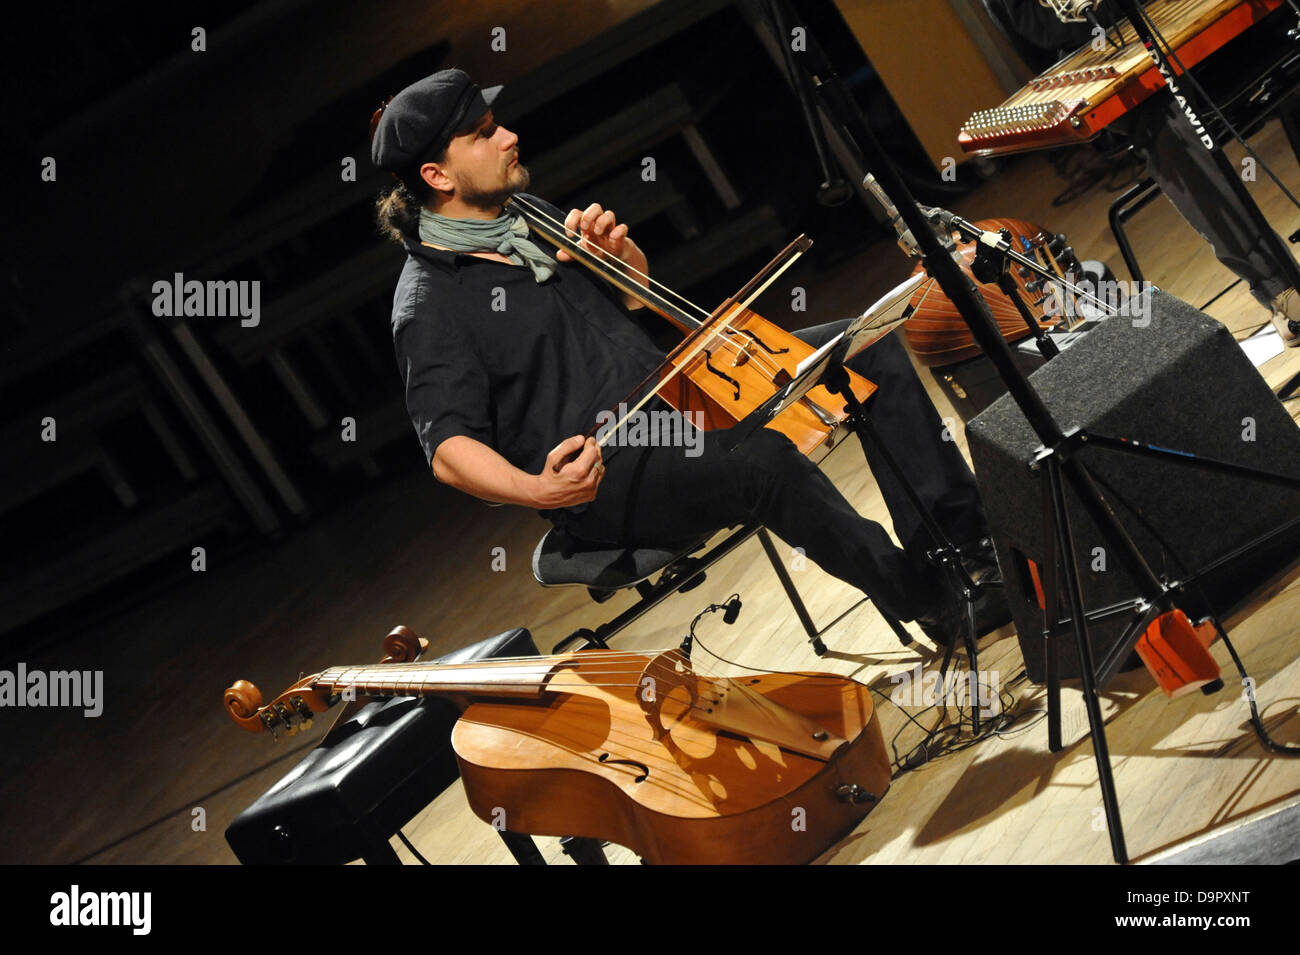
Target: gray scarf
(506, 234)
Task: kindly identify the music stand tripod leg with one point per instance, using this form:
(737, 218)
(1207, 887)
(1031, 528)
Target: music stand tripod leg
(1087, 668)
(945, 555)
(1051, 622)
(810, 628)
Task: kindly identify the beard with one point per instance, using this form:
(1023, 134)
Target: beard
(492, 198)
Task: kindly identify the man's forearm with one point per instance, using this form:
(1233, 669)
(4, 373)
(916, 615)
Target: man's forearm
(476, 469)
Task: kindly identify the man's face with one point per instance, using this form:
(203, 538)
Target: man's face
(483, 164)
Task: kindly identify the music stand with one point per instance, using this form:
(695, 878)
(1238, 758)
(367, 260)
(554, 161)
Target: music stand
(826, 367)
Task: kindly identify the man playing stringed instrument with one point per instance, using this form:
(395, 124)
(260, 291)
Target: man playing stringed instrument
(509, 354)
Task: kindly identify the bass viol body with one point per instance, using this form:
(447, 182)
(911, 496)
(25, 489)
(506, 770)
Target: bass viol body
(638, 749)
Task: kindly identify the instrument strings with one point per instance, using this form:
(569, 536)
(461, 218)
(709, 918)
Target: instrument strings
(725, 324)
(598, 663)
(580, 665)
(612, 261)
(719, 325)
(622, 268)
(555, 682)
(618, 265)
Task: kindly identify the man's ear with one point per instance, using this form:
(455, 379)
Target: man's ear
(437, 179)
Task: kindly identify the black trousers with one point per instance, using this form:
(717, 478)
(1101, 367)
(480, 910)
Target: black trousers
(1191, 180)
(662, 495)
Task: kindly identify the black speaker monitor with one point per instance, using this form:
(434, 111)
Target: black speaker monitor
(1174, 378)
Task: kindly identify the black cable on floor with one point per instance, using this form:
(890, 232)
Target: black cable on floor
(945, 739)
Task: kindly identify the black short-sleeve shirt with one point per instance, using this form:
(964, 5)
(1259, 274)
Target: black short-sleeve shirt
(487, 352)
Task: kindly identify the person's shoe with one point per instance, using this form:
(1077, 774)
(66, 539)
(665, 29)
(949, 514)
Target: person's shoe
(945, 622)
(1286, 317)
(991, 609)
(980, 560)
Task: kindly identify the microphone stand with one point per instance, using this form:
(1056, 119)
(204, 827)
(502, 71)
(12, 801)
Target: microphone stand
(994, 253)
(1058, 457)
(1117, 41)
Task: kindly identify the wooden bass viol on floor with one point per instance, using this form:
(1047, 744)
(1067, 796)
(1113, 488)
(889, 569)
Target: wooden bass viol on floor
(639, 749)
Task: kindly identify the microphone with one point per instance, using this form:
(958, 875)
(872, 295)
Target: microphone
(906, 241)
(732, 609)
(1072, 11)
(1083, 11)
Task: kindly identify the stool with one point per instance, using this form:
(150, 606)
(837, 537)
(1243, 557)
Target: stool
(369, 777)
(562, 560)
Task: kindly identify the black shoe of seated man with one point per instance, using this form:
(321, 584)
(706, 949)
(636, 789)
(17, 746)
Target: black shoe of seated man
(981, 561)
(991, 608)
(945, 622)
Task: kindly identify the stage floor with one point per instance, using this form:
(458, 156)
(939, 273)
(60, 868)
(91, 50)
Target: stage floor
(124, 788)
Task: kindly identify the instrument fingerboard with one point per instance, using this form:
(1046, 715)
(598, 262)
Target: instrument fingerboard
(1074, 99)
